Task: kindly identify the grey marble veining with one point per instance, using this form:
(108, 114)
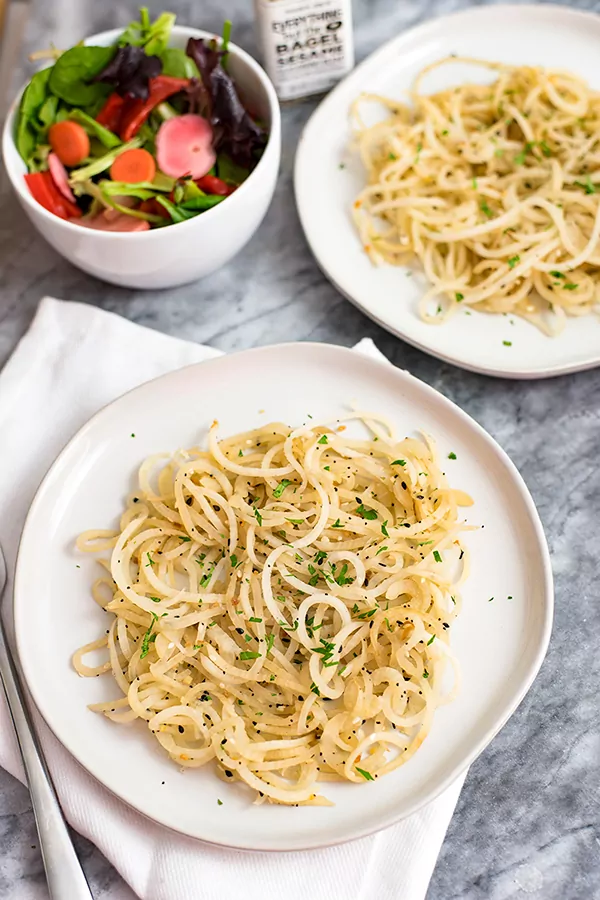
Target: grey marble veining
(528, 820)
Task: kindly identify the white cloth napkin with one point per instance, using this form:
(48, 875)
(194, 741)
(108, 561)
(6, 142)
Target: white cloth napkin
(74, 360)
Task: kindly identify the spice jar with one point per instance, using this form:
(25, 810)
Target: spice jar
(307, 45)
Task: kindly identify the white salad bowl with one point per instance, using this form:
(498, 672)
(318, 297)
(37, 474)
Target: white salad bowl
(176, 254)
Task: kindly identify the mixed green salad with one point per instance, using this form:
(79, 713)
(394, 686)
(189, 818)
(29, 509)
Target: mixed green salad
(137, 135)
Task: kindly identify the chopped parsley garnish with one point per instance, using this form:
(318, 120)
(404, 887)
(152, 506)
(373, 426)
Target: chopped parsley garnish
(320, 556)
(367, 613)
(444, 132)
(315, 575)
(184, 540)
(204, 581)
(322, 439)
(431, 640)
(392, 156)
(295, 521)
(150, 561)
(337, 524)
(234, 560)
(486, 210)
(315, 689)
(425, 673)
(558, 274)
(327, 468)
(155, 599)
(399, 462)
(249, 654)
(254, 619)
(287, 627)
(512, 262)
(384, 530)
(436, 556)
(220, 802)
(149, 637)
(507, 343)
(281, 487)
(459, 297)
(366, 513)
(381, 550)
(588, 185)
(419, 148)
(452, 456)
(474, 183)
(520, 157)
(258, 516)
(570, 287)
(366, 775)
(341, 579)
(240, 453)
(270, 642)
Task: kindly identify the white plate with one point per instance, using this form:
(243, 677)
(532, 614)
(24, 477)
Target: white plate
(545, 35)
(500, 644)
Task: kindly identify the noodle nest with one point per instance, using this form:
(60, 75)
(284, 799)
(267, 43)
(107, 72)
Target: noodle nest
(281, 604)
(494, 189)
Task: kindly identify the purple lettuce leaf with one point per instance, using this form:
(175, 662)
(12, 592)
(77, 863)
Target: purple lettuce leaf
(216, 97)
(130, 70)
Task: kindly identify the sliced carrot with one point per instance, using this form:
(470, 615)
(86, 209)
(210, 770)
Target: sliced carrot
(69, 141)
(133, 166)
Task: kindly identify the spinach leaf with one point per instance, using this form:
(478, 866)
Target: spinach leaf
(74, 69)
(153, 37)
(32, 101)
(229, 171)
(94, 128)
(177, 64)
(48, 111)
(205, 201)
(177, 213)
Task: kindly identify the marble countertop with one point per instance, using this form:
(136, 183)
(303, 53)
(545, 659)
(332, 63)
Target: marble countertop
(528, 820)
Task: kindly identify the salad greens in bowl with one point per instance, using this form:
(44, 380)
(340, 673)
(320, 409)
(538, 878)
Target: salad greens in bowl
(137, 134)
(135, 130)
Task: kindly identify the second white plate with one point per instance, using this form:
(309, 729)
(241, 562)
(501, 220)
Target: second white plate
(328, 178)
(499, 644)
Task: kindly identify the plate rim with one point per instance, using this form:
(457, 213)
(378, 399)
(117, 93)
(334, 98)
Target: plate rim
(24, 555)
(421, 31)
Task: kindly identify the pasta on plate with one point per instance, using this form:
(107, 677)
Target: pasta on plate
(281, 603)
(494, 189)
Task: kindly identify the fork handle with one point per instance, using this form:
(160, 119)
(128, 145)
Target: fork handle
(66, 880)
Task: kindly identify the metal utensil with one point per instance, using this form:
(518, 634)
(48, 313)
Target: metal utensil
(66, 880)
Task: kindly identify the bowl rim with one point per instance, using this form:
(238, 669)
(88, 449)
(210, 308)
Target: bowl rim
(18, 183)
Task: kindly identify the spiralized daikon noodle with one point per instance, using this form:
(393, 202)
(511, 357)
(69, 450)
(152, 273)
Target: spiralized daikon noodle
(281, 603)
(494, 189)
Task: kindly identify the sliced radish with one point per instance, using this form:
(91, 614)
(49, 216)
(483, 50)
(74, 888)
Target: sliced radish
(60, 177)
(121, 222)
(184, 147)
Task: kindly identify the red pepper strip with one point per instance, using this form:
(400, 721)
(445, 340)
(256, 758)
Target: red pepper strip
(136, 111)
(210, 184)
(110, 114)
(43, 189)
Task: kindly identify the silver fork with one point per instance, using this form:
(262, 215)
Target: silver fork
(66, 880)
